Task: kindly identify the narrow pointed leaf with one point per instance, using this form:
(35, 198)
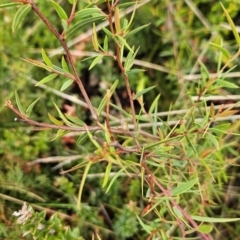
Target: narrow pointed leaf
(106, 175)
(136, 30)
(114, 179)
(46, 59)
(138, 94)
(221, 49)
(20, 108)
(47, 79)
(61, 115)
(19, 16)
(184, 187)
(75, 120)
(54, 120)
(67, 84)
(6, 5)
(124, 42)
(59, 134)
(105, 44)
(64, 65)
(96, 61)
(226, 84)
(214, 220)
(61, 13)
(233, 27)
(107, 96)
(30, 108)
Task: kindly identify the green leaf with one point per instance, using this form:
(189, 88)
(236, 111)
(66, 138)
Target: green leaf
(213, 140)
(114, 179)
(61, 13)
(71, 1)
(124, 42)
(20, 108)
(96, 61)
(184, 187)
(66, 85)
(47, 79)
(82, 139)
(6, 5)
(233, 27)
(61, 115)
(59, 134)
(121, 110)
(106, 175)
(105, 44)
(37, 63)
(134, 71)
(64, 24)
(106, 97)
(205, 228)
(64, 65)
(214, 220)
(54, 120)
(177, 212)
(46, 59)
(204, 73)
(138, 94)
(221, 49)
(95, 143)
(108, 32)
(88, 12)
(136, 30)
(80, 24)
(29, 109)
(95, 38)
(75, 120)
(226, 84)
(84, 177)
(146, 227)
(153, 105)
(20, 15)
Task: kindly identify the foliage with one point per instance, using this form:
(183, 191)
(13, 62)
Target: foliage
(141, 173)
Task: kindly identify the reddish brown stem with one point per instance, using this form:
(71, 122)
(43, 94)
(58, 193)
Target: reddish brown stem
(69, 57)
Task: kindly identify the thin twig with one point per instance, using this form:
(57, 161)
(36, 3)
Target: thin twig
(69, 57)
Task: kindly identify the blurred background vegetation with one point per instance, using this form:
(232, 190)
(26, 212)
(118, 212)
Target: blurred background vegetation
(170, 47)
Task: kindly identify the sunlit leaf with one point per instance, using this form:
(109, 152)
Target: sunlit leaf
(46, 59)
(233, 27)
(66, 84)
(80, 24)
(64, 65)
(29, 109)
(6, 5)
(106, 175)
(54, 120)
(106, 97)
(205, 228)
(223, 50)
(184, 187)
(226, 84)
(114, 179)
(96, 61)
(20, 15)
(47, 79)
(75, 120)
(59, 134)
(214, 220)
(61, 13)
(20, 108)
(138, 94)
(136, 30)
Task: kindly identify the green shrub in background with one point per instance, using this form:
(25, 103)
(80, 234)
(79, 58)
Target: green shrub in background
(141, 173)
